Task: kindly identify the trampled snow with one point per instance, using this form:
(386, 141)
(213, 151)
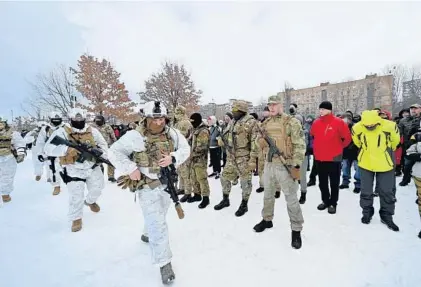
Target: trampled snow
(210, 248)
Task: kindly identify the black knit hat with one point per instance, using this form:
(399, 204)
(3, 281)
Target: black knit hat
(326, 105)
(229, 114)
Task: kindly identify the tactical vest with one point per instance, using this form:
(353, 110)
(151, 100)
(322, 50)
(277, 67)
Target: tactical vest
(238, 137)
(6, 142)
(105, 131)
(78, 138)
(155, 146)
(203, 153)
(276, 128)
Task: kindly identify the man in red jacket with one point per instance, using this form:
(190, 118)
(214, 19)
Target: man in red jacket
(331, 135)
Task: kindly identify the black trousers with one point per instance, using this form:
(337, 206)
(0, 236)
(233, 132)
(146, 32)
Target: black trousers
(329, 174)
(313, 172)
(215, 159)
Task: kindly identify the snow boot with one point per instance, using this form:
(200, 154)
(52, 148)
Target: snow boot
(6, 198)
(225, 202)
(185, 198)
(93, 206)
(77, 225)
(196, 197)
(38, 178)
(366, 219)
(167, 274)
(296, 239)
(112, 179)
(277, 194)
(343, 186)
(322, 206)
(303, 198)
(262, 225)
(331, 209)
(242, 209)
(357, 190)
(389, 223)
(260, 189)
(144, 238)
(205, 202)
(56, 190)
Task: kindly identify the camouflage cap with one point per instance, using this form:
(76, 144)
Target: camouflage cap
(239, 105)
(417, 106)
(180, 110)
(275, 99)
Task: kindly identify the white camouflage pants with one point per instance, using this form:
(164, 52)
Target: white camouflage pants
(7, 174)
(94, 183)
(155, 204)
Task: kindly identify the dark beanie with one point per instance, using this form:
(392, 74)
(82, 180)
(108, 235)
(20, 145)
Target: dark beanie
(196, 119)
(326, 105)
(229, 114)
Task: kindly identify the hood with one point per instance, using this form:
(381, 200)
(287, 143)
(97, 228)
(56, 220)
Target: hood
(370, 118)
(388, 114)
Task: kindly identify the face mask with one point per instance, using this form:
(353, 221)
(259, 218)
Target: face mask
(292, 110)
(77, 124)
(56, 122)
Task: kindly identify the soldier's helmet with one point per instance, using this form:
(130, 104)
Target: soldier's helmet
(77, 114)
(99, 120)
(155, 109)
(179, 112)
(55, 118)
(240, 106)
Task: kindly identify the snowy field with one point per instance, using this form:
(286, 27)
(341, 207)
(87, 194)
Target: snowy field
(210, 248)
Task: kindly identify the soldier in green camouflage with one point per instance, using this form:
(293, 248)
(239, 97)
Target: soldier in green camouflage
(108, 133)
(199, 184)
(183, 124)
(287, 134)
(241, 155)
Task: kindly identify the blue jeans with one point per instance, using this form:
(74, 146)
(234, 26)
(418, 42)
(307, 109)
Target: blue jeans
(346, 172)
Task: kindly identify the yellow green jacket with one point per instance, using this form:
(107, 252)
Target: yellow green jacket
(376, 146)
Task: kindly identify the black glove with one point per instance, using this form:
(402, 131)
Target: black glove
(41, 158)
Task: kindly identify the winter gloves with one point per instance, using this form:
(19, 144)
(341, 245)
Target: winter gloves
(125, 182)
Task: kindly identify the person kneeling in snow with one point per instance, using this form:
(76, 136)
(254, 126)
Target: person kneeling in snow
(78, 171)
(139, 155)
(12, 150)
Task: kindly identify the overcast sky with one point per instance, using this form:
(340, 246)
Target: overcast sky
(233, 50)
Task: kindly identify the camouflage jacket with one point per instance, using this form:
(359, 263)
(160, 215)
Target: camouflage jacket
(240, 136)
(200, 143)
(185, 127)
(107, 132)
(288, 134)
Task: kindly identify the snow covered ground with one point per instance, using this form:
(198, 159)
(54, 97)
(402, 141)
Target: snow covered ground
(211, 248)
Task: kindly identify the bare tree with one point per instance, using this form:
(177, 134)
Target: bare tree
(400, 74)
(53, 91)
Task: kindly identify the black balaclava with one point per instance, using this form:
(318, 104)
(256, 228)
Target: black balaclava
(99, 120)
(56, 121)
(238, 115)
(196, 120)
(80, 125)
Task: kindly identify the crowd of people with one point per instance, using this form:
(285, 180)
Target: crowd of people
(277, 147)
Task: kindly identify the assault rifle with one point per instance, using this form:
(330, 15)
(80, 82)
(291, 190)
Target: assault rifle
(168, 175)
(273, 150)
(52, 167)
(87, 152)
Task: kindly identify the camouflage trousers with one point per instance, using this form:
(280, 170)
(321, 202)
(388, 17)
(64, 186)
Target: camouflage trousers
(276, 173)
(184, 175)
(230, 173)
(199, 179)
(261, 167)
(417, 181)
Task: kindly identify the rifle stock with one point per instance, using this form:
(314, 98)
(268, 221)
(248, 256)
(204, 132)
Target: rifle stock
(168, 175)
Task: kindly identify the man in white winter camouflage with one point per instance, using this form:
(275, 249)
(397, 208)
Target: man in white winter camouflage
(77, 170)
(12, 151)
(139, 155)
(54, 168)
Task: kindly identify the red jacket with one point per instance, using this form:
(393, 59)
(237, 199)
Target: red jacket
(331, 135)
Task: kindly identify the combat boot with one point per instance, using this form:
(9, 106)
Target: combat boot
(185, 198)
(389, 223)
(77, 225)
(225, 202)
(205, 202)
(260, 189)
(242, 209)
(6, 198)
(38, 178)
(303, 198)
(262, 225)
(196, 197)
(296, 239)
(144, 238)
(56, 190)
(93, 206)
(167, 274)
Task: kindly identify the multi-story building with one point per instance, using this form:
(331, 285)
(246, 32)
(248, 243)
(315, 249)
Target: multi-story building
(411, 91)
(356, 96)
(219, 110)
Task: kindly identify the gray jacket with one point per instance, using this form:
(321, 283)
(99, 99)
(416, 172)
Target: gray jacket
(214, 133)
